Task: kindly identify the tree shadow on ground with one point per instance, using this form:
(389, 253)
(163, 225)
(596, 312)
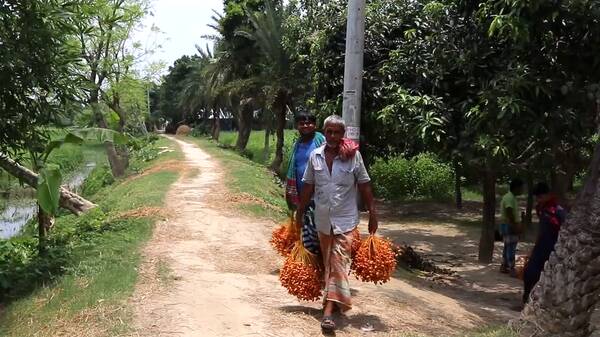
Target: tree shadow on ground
(450, 238)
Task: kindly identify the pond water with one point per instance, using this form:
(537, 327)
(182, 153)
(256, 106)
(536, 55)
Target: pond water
(18, 208)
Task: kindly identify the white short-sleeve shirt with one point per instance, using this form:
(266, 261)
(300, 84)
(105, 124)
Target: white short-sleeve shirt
(336, 193)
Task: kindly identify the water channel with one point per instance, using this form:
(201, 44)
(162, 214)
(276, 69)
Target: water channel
(17, 208)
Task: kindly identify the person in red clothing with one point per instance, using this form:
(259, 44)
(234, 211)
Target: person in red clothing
(551, 216)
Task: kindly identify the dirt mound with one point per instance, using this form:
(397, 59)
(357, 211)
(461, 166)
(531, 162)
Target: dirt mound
(183, 130)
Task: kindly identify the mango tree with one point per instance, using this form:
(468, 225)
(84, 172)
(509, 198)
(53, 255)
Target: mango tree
(559, 43)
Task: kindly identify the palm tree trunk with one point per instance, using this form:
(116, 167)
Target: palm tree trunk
(486, 242)
(564, 299)
(267, 145)
(216, 128)
(244, 126)
(276, 164)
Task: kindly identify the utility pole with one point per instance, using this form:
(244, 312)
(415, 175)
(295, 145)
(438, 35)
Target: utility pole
(353, 68)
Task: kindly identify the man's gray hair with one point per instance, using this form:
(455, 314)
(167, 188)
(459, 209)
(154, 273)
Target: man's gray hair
(334, 120)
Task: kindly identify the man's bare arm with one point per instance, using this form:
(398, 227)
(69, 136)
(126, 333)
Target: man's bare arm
(305, 196)
(366, 191)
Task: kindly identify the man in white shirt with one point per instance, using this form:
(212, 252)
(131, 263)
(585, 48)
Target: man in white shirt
(334, 174)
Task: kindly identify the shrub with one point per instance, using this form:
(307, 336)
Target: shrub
(422, 177)
(200, 130)
(100, 177)
(21, 267)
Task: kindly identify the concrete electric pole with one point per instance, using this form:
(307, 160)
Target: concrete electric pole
(353, 68)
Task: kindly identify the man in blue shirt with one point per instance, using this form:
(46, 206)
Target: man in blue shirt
(309, 139)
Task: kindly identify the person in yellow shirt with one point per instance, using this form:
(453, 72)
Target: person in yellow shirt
(511, 226)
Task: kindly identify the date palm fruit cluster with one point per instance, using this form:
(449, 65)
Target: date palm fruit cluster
(300, 274)
(356, 240)
(375, 260)
(284, 237)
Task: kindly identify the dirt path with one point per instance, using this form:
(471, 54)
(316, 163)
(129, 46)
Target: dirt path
(209, 271)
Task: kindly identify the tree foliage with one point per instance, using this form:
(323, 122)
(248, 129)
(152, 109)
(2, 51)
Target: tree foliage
(36, 78)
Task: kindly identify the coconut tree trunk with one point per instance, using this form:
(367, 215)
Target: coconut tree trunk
(244, 126)
(279, 131)
(267, 144)
(216, 127)
(486, 242)
(564, 299)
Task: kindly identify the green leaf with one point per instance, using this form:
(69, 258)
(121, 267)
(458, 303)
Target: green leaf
(101, 135)
(70, 138)
(48, 189)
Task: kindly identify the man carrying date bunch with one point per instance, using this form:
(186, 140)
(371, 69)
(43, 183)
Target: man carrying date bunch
(334, 174)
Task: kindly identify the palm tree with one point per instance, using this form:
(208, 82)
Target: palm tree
(233, 82)
(268, 34)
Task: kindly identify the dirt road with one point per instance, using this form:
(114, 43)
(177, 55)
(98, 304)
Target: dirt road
(209, 271)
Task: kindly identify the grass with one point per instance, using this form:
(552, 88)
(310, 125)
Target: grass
(250, 178)
(472, 193)
(255, 147)
(99, 268)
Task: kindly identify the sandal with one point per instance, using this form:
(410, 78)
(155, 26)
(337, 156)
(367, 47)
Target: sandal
(327, 324)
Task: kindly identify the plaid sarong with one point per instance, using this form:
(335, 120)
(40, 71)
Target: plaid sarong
(337, 250)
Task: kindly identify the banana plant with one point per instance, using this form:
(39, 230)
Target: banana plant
(50, 175)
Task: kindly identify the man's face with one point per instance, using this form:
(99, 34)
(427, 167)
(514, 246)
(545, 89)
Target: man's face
(333, 135)
(306, 127)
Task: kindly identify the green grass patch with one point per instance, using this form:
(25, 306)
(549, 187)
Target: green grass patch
(90, 268)
(246, 176)
(255, 150)
(472, 193)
